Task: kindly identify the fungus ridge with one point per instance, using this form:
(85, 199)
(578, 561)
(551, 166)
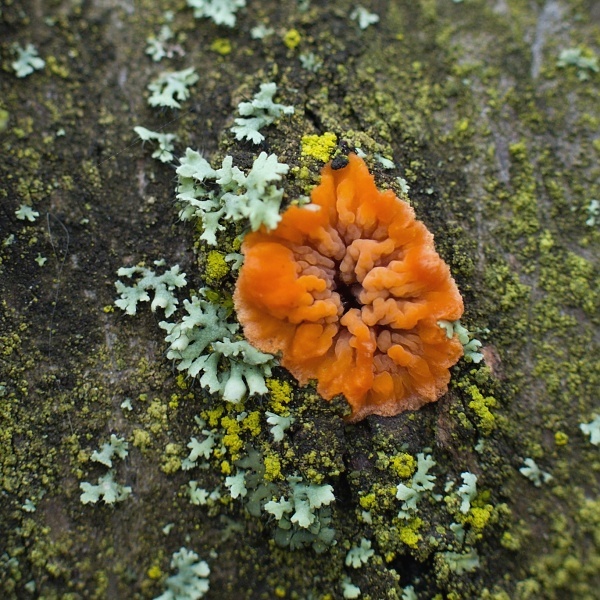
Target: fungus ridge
(349, 290)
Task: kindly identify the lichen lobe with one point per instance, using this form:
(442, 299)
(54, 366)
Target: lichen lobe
(349, 289)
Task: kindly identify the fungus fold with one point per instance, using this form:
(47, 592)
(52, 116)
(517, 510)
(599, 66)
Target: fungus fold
(349, 290)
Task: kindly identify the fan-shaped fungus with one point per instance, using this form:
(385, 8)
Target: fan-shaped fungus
(349, 289)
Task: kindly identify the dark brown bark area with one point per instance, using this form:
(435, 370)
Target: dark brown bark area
(500, 147)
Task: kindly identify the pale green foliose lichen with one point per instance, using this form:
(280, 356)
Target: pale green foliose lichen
(469, 343)
(171, 87)
(107, 489)
(349, 590)
(221, 12)
(198, 496)
(408, 593)
(215, 196)
(460, 563)
(592, 429)
(304, 516)
(311, 62)
(421, 482)
(26, 213)
(261, 31)
(279, 423)
(164, 152)
(115, 447)
(531, 470)
(585, 62)
(191, 580)
(467, 491)
(259, 112)
(163, 287)
(364, 17)
(204, 343)
(593, 210)
(236, 484)
(359, 555)
(199, 449)
(158, 48)
(27, 61)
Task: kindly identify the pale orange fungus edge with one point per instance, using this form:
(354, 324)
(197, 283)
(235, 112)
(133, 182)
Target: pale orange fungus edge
(349, 290)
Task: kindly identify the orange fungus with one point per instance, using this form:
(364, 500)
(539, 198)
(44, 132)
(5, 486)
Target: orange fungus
(349, 290)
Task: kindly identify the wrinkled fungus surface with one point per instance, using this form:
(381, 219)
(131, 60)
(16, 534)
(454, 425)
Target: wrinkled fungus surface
(349, 290)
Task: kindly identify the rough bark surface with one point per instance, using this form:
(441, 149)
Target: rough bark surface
(498, 141)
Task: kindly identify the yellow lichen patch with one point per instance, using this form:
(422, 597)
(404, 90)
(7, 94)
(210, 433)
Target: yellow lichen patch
(157, 411)
(272, 467)
(292, 38)
(319, 146)
(171, 461)
(481, 406)
(508, 540)
(368, 501)
(56, 68)
(478, 517)
(312, 474)
(281, 395)
(252, 423)
(232, 440)
(234, 444)
(216, 267)
(212, 416)
(409, 534)
(154, 572)
(230, 424)
(403, 465)
(141, 439)
(561, 438)
(226, 467)
(221, 46)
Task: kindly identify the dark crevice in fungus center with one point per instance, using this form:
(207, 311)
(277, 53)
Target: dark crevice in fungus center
(348, 293)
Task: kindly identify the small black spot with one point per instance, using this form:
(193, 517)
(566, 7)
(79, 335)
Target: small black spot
(348, 294)
(339, 162)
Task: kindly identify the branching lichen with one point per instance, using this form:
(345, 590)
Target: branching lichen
(226, 194)
(204, 344)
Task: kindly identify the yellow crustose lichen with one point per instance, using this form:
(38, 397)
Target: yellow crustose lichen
(319, 146)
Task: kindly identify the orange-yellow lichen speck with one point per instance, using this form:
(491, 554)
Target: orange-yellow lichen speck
(349, 290)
